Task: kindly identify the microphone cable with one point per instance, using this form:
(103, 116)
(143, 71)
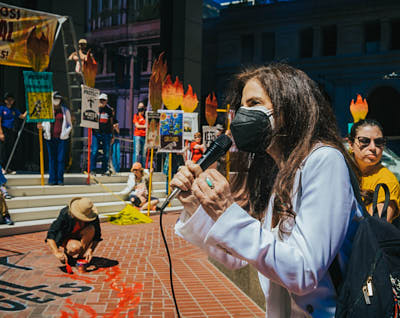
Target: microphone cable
(169, 261)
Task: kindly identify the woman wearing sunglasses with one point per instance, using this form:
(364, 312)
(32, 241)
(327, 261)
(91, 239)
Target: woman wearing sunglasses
(366, 142)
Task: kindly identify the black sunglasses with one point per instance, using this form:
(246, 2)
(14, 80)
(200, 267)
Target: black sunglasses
(365, 141)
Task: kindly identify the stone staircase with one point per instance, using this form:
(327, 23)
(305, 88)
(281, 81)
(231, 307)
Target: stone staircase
(33, 207)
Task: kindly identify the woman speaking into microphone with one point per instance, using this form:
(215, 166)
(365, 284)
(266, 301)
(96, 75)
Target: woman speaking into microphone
(291, 210)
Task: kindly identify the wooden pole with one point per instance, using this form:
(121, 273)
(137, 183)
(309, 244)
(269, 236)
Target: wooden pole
(89, 150)
(41, 156)
(169, 174)
(150, 181)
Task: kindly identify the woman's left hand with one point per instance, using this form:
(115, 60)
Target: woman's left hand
(213, 192)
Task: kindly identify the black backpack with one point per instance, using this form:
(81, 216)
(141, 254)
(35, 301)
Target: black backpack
(371, 286)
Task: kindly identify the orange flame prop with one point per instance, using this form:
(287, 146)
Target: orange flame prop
(359, 109)
(190, 100)
(89, 69)
(172, 94)
(37, 51)
(211, 109)
(158, 74)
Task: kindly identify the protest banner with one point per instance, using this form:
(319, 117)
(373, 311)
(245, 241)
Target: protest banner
(27, 36)
(171, 130)
(90, 107)
(153, 130)
(38, 95)
(190, 125)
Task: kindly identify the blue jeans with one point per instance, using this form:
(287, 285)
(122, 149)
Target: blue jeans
(105, 140)
(138, 150)
(116, 155)
(56, 150)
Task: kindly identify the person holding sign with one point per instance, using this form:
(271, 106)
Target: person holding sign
(197, 148)
(56, 135)
(8, 114)
(103, 135)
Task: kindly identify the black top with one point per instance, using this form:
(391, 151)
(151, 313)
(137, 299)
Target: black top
(64, 224)
(106, 115)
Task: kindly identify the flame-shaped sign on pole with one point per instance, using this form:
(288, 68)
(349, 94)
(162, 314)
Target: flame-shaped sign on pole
(211, 109)
(172, 94)
(359, 109)
(158, 74)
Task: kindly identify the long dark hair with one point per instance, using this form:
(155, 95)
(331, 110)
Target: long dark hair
(303, 117)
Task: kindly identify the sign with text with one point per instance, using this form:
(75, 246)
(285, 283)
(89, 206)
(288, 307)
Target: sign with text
(90, 107)
(171, 130)
(209, 135)
(27, 36)
(153, 130)
(38, 93)
(190, 125)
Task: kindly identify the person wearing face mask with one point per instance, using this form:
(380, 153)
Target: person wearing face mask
(290, 210)
(139, 135)
(56, 135)
(366, 141)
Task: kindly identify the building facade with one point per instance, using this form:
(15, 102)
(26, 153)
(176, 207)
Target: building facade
(349, 47)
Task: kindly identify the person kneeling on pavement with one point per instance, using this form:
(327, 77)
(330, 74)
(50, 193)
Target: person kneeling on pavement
(137, 188)
(76, 231)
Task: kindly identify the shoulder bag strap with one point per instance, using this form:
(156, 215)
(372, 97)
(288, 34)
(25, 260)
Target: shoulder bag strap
(375, 200)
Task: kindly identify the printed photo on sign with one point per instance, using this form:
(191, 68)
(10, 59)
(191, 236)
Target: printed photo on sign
(38, 93)
(153, 130)
(171, 130)
(209, 135)
(190, 125)
(90, 107)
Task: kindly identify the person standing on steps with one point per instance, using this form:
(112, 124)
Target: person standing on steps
(102, 136)
(56, 135)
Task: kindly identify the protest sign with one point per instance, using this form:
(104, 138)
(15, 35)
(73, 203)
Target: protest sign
(153, 130)
(38, 94)
(190, 125)
(171, 130)
(90, 107)
(209, 135)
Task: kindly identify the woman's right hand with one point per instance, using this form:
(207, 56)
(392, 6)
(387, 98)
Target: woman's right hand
(183, 180)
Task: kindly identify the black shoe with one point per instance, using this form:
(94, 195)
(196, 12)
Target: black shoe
(9, 171)
(8, 221)
(107, 173)
(51, 184)
(60, 183)
(7, 196)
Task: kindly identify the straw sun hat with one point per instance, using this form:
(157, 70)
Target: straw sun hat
(83, 209)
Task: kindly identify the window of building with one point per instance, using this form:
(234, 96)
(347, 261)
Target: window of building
(329, 40)
(247, 46)
(395, 35)
(372, 36)
(143, 58)
(268, 46)
(306, 42)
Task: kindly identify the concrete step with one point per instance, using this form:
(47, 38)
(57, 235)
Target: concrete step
(22, 227)
(36, 190)
(73, 179)
(48, 212)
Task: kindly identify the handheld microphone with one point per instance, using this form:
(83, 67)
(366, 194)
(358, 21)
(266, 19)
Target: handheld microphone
(216, 150)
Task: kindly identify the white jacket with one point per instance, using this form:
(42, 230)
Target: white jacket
(66, 125)
(293, 271)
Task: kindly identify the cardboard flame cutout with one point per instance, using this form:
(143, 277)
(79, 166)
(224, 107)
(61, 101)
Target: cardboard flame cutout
(190, 101)
(89, 69)
(172, 94)
(37, 51)
(211, 109)
(359, 109)
(158, 74)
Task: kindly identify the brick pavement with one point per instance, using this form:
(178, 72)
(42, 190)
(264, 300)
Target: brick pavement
(138, 286)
